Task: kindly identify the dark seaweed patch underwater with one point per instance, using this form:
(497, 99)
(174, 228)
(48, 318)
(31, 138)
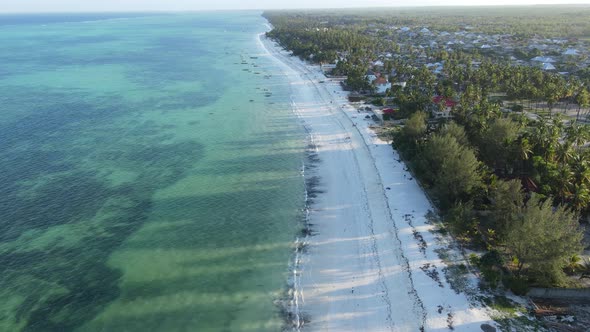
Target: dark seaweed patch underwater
(130, 197)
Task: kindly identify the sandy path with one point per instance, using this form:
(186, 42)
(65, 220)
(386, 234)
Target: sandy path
(365, 268)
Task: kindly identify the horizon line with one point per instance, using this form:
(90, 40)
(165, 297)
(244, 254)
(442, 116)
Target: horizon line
(288, 9)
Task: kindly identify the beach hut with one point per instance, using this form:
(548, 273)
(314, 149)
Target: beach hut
(381, 115)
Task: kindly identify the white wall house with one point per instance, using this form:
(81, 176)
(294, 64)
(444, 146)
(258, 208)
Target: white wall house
(381, 85)
(570, 51)
(370, 76)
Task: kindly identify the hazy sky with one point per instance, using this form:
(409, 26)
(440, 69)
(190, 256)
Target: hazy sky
(178, 5)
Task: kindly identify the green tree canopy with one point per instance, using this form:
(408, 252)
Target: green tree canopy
(452, 169)
(543, 240)
(457, 131)
(415, 126)
(496, 143)
(507, 201)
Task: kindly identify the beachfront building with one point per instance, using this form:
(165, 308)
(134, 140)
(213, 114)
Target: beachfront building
(385, 114)
(388, 113)
(381, 85)
(442, 107)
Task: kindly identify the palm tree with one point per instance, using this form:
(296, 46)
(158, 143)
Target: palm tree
(569, 90)
(522, 120)
(563, 183)
(564, 152)
(583, 100)
(524, 150)
(546, 137)
(577, 134)
(581, 169)
(580, 197)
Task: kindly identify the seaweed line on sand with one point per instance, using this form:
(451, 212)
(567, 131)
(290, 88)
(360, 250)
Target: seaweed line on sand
(289, 303)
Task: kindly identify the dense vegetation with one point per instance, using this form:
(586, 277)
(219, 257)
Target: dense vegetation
(465, 172)
(525, 21)
(513, 184)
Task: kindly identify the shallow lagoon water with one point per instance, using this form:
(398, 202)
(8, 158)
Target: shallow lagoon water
(140, 187)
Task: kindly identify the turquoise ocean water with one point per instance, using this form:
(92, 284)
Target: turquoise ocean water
(149, 174)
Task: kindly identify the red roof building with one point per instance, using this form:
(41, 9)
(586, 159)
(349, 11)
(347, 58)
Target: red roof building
(448, 102)
(380, 81)
(446, 112)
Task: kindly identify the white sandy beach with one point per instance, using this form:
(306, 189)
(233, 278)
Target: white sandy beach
(366, 268)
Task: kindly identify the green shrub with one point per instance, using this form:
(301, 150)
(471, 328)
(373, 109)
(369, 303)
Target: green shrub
(518, 286)
(461, 219)
(492, 276)
(474, 259)
(490, 259)
(378, 101)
